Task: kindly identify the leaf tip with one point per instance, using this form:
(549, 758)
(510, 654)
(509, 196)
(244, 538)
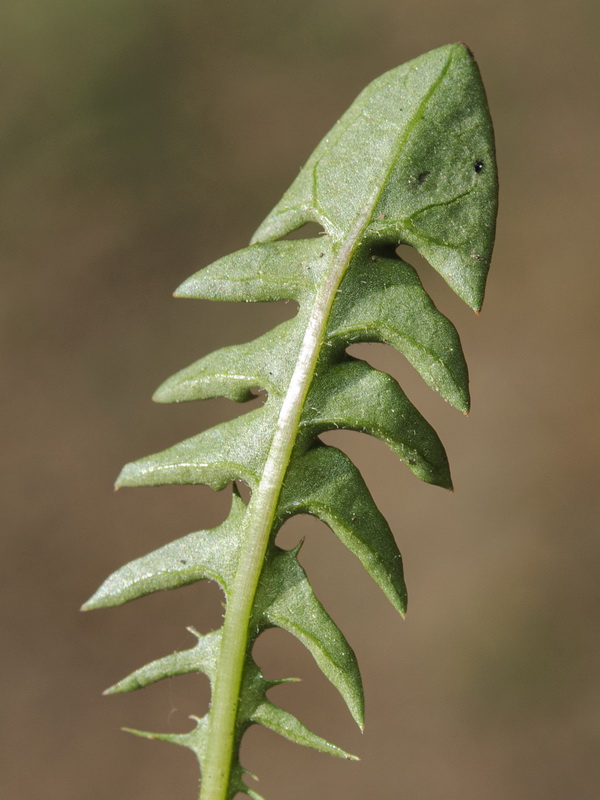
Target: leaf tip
(123, 477)
(465, 405)
(126, 477)
(95, 602)
(295, 550)
(279, 681)
(185, 289)
(162, 394)
(92, 604)
(358, 715)
(141, 734)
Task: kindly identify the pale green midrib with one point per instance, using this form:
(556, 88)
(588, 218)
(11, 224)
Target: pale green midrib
(258, 525)
(258, 522)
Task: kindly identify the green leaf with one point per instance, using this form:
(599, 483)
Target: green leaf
(326, 484)
(265, 272)
(355, 396)
(285, 599)
(228, 452)
(411, 162)
(382, 300)
(233, 372)
(201, 658)
(411, 145)
(286, 724)
(205, 554)
(194, 740)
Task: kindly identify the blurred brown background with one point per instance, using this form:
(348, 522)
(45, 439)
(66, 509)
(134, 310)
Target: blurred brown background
(140, 140)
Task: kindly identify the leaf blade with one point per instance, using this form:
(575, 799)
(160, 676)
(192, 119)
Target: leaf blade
(411, 162)
(286, 600)
(288, 726)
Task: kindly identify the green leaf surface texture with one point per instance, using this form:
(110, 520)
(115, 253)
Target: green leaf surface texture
(411, 162)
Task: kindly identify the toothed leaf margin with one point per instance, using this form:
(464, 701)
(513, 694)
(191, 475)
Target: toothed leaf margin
(411, 162)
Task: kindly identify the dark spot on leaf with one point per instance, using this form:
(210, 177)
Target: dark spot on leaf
(422, 177)
(478, 166)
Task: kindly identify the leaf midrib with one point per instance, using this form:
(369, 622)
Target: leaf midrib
(260, 515)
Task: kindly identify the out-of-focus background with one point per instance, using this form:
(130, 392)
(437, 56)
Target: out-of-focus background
(139, 141)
